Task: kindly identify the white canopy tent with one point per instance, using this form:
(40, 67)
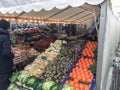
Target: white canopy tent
(67, 11)
(74, 11)
(84, 14)
(19, 6)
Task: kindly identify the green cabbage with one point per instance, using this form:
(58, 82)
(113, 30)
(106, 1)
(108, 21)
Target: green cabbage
(47, 85)
(31, 81)
(23, 77)
(39, 85)
(67, 87)
(55, 87)
(13, 86)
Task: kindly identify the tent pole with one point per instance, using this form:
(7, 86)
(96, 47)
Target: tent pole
(16, 23)
(101, 38)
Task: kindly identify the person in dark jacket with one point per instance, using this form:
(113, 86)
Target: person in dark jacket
(6, 55)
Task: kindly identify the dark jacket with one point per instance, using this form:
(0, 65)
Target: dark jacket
(6, 56)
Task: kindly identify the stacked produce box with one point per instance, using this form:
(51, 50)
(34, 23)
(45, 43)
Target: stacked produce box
(20, 55)
(83, 73)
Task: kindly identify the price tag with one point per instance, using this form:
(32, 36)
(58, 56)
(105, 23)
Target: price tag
(44, 58)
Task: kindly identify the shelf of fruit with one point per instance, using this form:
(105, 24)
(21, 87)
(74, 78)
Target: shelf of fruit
(52, 64)
(83, 72)
(32, 52)
(89, 49)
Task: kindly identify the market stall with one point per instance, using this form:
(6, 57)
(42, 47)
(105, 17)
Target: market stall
(70, 12)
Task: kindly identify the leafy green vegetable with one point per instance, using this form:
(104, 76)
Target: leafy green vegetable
(39, 85)
(14, 76)
(95, 54)
(13, 86)
(92, 68)
(55, 87)
(48, 84)
(23, 77)
(67, 87)
(31, 81)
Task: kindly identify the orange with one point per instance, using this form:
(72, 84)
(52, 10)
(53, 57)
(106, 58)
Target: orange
(71, 74)
(67, 82)
(87, 88)
(89, 80)
(79, 77)
(76, 80)
(72, 83)
(74, 76)
(84, 79)
(81, 86)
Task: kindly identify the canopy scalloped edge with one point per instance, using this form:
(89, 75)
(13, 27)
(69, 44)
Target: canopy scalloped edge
(47, 5)
(115, 5)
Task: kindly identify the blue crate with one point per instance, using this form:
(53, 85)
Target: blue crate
(65, 79)
(93, 83)
(69, 71)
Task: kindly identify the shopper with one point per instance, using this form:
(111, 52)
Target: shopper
(6, 55)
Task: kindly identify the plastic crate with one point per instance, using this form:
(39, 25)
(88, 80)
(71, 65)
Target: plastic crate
(93, 83)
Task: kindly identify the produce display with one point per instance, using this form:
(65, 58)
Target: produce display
(43, 44)
(56, 47)
(89, 49)
(32, 52)
(82, 74)
(80, 79)
(67, 87)
(49, 70)
(23, 52)
(20, 55)
(57, 70)
(85, 62)
(30, 30)
(93, 67)
(26, 82)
